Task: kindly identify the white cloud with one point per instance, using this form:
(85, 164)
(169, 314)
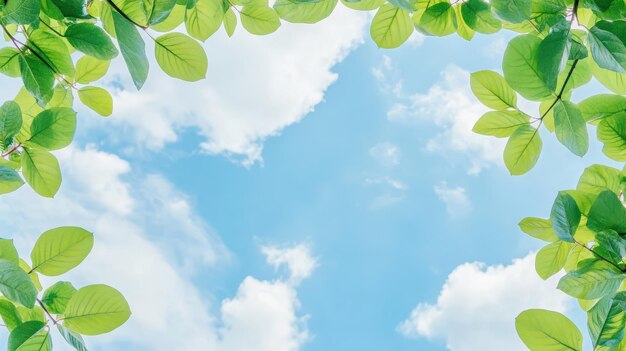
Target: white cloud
(457, 202)
(391, 182)
(255, 87)
(386, 154)
(150, 244)
(477, 306)
(298, 260)
(450, 105)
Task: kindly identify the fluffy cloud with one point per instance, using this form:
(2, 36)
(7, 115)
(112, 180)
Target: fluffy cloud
(456, 200)
(255, 87)
(450, 105)
(150, 244)
(477, 306)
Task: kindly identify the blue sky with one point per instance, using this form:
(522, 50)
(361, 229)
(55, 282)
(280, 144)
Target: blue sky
(315, 193)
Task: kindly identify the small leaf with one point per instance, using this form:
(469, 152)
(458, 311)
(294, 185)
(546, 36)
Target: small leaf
(89, 69)
(230, 22)
(538, 228)
(10, 180)
(551, 259)
(391, 27)
(259, 20)
(133, 49)
(92, 40)
(612, 132)
(607, 49)
(522, 150)
(492, 90)
(56, 297)
(61, 249)
(565, 217)
(514, 11)
(54, 128)
(570, 127)
(607, 212)
(500, 123)
(181, 57)
(41, 171)
(15, 284)
(72, 338)
(97, 99)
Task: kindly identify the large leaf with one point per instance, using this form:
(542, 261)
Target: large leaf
(259, 20)
(594, 280)
(15, 284)
(38, 78)
(477, 15)
(92, 40)
(598, 178)
(133, 49)
(600, 106)
(391, 27)
(438, 19)
(61, 249)
(54, 128)
(96, 309)
(521, 69)
(570, 127)
(53, 50)
(522, 150)
(492, 90)
(548, 331)
(553, 51)
(41, 171)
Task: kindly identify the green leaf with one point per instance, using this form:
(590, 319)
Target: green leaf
(606, 322)
(92, 40)
(570, 127)
(97, 99)
(53, 50)
(598, 178)
(158, 10)
(72, 338)
(607, 212)
(538, 228)
(594, 280)
(463, 29)
(522, 150)
(612, 132)
(38, 342)
(71, 8)
(133, 49)
(616, 82)
(204, 19)
(548, 330)
(363, 5)
(551, 259)
(391, 27)
(181, 57)
(610, 245)
(521, 70)
(8, 251)
(15, 284)
(259, 20)
(21, 11)
(89, 69)
(477, 15)
(96, 309)
(514, 11)
(607, 49)
(310, 12)
(492, 90)
(9, 314)
(56, 297)
(41, 171)
(61, 249)
(53, 128)
(565, 217)
(500, 123)
(10, 180)
(554, 52)
(600, 106)
(10, 120)
(9, 62)
(230, 22)
(20, 335)
(438, 19)
(38, 78)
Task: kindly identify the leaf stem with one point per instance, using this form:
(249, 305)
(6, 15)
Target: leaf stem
(623, 270)
(119, 10)
(46, 310)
